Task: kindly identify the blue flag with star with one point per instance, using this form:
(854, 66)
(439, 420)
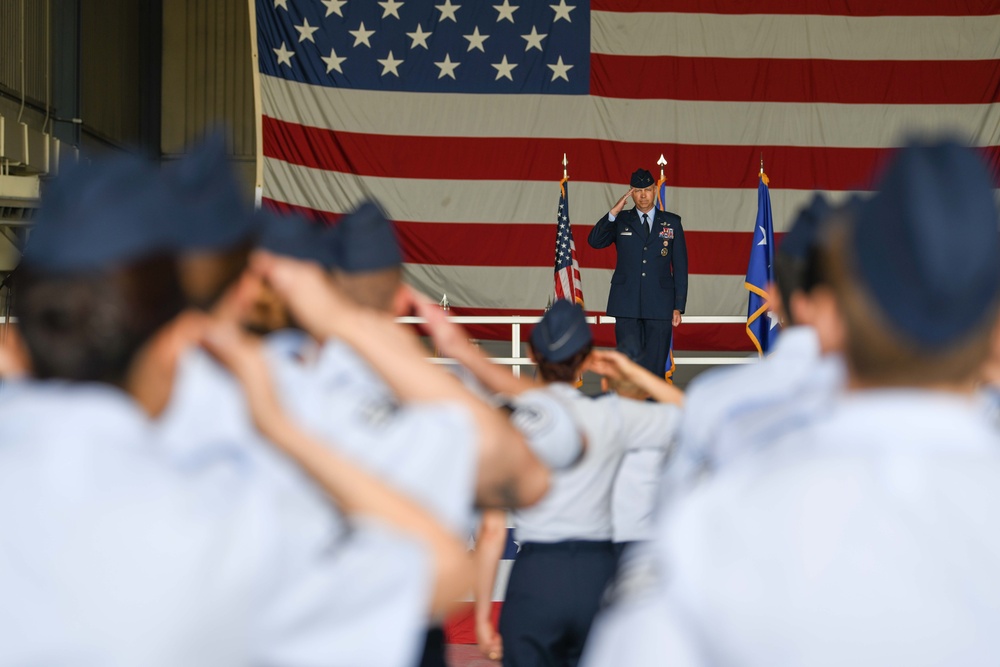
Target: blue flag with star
(762, 324)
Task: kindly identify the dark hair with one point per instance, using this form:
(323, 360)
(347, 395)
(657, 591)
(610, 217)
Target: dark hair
(89, 326)
(562, 371)
(795, 274)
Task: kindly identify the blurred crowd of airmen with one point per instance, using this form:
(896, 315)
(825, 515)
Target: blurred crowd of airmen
(218, 447)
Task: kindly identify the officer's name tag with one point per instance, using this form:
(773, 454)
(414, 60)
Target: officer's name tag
(626, 233)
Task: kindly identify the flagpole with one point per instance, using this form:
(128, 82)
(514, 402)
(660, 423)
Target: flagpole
(760, 270)
(661, 184)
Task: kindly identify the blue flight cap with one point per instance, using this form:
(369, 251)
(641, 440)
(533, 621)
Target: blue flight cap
(367, 241)
(212, 212)
(804, 234)
(927, 245)
(294, 236)
(562, 332)
(108, 211)
(641, 178)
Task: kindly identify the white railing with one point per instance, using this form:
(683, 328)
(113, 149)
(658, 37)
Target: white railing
(516, 360)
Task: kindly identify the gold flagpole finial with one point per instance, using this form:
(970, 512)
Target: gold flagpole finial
(663, 163)
(564, 166)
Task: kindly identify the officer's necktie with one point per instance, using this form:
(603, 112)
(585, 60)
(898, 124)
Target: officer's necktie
(645, 224)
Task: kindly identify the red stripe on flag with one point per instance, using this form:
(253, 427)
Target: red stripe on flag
(796, 80)
(316, 215)
(471, 244)
(817, 7)
(385, 156)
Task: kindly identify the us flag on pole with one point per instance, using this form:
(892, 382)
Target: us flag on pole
(451, 114)
(568, 285)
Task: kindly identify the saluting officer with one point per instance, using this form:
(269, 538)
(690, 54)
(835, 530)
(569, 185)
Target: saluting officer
(566, 556)
(650, 283)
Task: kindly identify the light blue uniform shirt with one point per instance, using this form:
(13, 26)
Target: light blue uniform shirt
(730, 412)
(635, 494)
(868, 538)
(578, 504)
(990, 397)
(427, 450)
(111, 554)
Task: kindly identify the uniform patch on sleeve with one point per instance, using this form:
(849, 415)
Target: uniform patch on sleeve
(531, 420)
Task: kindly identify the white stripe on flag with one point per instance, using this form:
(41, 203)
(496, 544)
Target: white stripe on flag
(652, 121)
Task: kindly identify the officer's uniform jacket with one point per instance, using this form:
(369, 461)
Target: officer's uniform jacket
(651, 274)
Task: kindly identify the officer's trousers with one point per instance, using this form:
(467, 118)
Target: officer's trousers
(552, 597)
(652, 337)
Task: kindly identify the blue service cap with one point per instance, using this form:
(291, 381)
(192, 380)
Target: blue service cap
(366, 241)
(211, 210)
(562, 332)
(294, 236)
(107, 211)
(641, 178)
(804, 233)
(927, 245)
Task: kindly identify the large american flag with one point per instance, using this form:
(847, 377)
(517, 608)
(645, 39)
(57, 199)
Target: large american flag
(568, 283)
(454, 114)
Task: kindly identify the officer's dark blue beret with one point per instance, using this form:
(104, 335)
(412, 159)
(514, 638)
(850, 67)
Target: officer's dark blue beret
(104, 212)
(294, 236)
(367, 241)
(211, 209)
(804, 234)
(641, 178)
(562, 332)
(927, 245)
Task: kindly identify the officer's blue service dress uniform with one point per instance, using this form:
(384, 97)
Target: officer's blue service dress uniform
(651, 276)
